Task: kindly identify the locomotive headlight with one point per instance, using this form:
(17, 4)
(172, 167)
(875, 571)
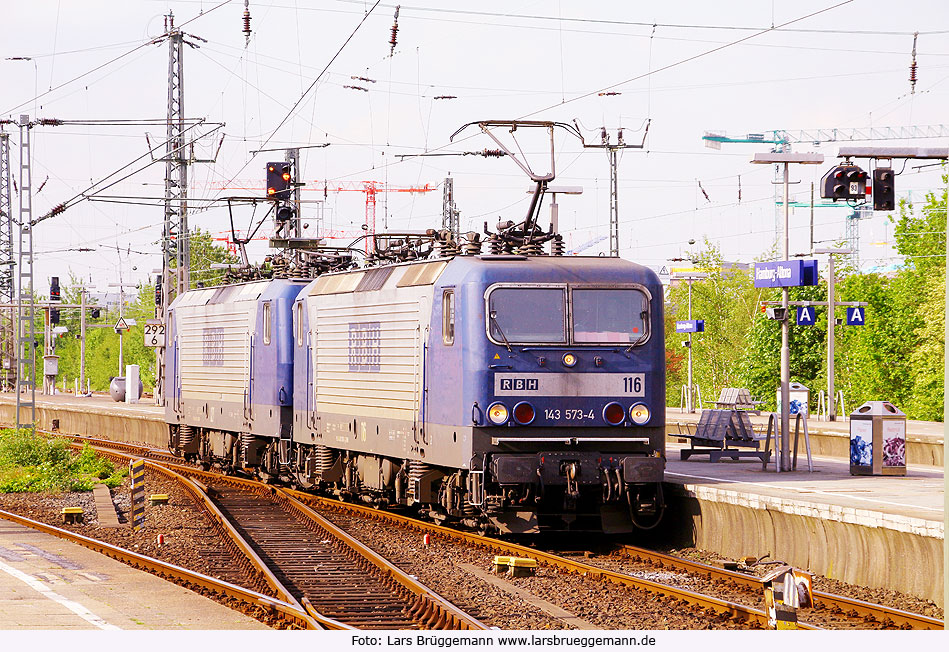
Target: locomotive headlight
(639, 414)
(498, 414)
(569, 359)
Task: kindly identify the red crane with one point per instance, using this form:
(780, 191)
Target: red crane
(371, 189)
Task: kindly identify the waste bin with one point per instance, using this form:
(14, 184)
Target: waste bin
(117, 389)
(800, 399)
(877, 439)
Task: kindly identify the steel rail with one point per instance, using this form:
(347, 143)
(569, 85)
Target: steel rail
(839, 603)
(850, 607)
(225, 528)
(200, 495)
(287, 612)
(730, 609)
(445, 614)
(429, 607)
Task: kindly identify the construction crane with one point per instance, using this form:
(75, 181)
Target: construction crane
(781, 141)
(371, 189)
(586, 245)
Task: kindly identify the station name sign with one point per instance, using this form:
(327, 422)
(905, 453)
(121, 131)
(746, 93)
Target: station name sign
(690, 326)
(785, 273)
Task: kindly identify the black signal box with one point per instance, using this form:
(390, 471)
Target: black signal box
(847, 182)
(884, 190)
(279, 180)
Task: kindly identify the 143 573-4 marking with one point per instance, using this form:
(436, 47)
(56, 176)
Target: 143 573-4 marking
(569, 414)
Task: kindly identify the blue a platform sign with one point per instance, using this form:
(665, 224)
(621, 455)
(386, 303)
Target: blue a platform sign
(785, 273)
(690, 326)
(805, 316)
(856, 316)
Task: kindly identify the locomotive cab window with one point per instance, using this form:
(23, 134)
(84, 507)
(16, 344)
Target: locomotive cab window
(527, 315)
(267, 325)
(611, 316)
(448, 317)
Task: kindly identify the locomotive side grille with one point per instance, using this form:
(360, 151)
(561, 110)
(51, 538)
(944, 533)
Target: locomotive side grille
(214, 343)
(367, 356)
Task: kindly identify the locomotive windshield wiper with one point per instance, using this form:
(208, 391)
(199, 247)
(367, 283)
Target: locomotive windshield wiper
(493, 316)
(642, 316)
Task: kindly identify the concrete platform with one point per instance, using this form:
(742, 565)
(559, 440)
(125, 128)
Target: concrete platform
(97, 415)
(924, 439)
(47, 583)
(882, 531)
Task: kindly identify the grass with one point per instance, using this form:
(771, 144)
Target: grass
(31, 463)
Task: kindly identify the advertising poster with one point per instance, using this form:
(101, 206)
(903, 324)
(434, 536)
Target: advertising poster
(861, 443)
(894, 443)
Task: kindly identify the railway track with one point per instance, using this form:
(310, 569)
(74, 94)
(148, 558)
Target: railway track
(304, 559)
(866, 612)
(279, 613)
(856, 610)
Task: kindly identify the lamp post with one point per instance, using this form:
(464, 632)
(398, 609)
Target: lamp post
(831, 322)
(121, 287)
(553, 191)
(689, 277)
(786, 158)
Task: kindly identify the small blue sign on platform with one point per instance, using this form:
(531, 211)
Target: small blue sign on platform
(690, 326)
(806, 315)
(785, 273)
(856, 316)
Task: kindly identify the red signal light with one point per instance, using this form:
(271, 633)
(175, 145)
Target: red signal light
(286, 177)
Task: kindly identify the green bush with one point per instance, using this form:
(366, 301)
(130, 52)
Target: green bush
(32, 463)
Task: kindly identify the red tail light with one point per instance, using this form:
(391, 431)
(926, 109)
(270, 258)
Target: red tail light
(524, 413)
(614, 414)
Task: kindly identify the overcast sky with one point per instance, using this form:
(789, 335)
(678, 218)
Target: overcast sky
(688, 67)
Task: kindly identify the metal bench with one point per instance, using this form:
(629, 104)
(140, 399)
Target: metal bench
(725, 433)
(737, 398)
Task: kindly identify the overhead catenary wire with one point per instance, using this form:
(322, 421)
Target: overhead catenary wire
(83, 195)
(108, 63)
(311, 86)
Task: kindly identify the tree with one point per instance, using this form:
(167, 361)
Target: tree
(760, 362)
(204, 253)
(726, 300)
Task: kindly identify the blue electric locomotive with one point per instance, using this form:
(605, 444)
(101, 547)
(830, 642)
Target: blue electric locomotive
(513, 393)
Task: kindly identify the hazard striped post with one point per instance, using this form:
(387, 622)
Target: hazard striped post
(137, 471)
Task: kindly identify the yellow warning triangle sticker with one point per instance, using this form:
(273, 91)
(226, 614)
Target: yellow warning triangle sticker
(497, 357)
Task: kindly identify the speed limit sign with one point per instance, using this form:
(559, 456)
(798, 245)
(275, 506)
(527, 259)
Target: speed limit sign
(154, 333)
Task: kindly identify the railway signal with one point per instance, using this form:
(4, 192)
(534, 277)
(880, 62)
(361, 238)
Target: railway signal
(884, 193)
(844, 182)
(279, 180)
